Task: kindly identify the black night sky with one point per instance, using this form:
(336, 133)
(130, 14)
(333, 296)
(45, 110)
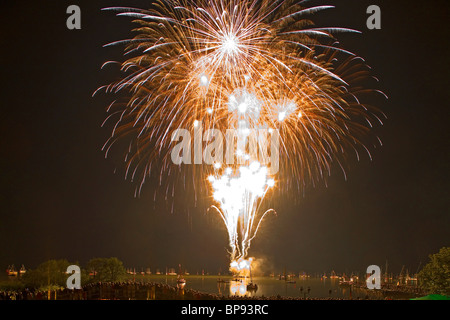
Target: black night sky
(60, 197)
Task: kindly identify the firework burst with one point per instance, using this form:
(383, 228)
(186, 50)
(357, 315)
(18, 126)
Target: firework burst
(240, 65)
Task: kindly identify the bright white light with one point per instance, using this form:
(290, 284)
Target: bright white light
(238, 195)
(196, 123)
(230, 44)
(204, 81)
(243, 264)
(300, 114)
(245, 104)
(217, 165)
(284, 109)
(242, 107)
(270, 183)
(254, 166)
(209, 110)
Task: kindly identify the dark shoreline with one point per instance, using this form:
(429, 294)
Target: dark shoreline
(131, 290)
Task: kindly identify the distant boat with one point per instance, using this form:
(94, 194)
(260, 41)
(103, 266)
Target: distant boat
(287, 277)
(345, 283)
(11, 271)
(181, 282)
(291, 281)
(131, 271)
(251, 286)
(22, 270)
(171, 272)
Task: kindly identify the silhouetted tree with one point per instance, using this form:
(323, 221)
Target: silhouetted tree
(435, 276)
(106, 269)
(49, 273)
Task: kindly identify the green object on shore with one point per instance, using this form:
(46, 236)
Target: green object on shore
(433, 297)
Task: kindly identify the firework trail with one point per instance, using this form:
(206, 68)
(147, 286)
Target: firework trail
(242, 65)
(239, 198)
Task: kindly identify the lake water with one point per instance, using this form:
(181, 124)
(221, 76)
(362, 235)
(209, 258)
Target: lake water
(268, 287)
